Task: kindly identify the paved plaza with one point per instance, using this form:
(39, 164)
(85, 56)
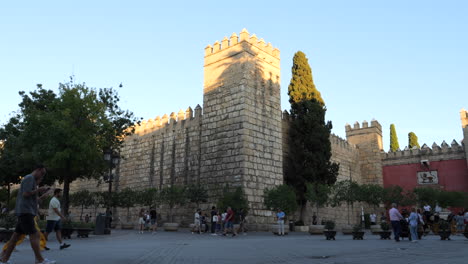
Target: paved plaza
(129, 247)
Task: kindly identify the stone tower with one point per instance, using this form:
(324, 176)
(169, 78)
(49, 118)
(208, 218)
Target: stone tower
(241, 126)
(464, 120)
(368, 139)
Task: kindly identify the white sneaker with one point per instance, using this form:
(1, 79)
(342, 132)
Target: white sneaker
(8, 262)
(414, 241)
(48, 261)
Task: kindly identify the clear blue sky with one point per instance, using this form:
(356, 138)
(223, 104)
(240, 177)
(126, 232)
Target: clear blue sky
(401, 62)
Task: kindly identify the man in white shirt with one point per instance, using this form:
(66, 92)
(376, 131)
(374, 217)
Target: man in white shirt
(53, 219)
(373, 218)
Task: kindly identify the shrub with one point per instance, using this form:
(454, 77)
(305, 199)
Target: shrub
(444, 225)
(357, 228)
(329, 225)
(8, 221)
(385, 226)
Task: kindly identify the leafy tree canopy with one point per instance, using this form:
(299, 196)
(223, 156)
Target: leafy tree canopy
(281, 197)
(67, 131)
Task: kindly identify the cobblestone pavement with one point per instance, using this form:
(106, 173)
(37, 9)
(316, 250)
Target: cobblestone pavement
(129, 247)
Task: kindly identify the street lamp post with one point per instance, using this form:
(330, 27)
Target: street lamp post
(112, 159)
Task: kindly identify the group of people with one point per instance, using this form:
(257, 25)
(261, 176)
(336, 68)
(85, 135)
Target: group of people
(27, 203)
(220, 223)
(148, 219)
(416, 219)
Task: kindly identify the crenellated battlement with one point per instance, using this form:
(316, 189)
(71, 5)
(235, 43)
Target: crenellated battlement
(433, 153)
(343, 143)
(365, 124)
(244, 36)
(151, 125)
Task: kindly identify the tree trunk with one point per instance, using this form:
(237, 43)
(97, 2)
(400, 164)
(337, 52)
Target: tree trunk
(66, 195)
(303, 209)
(81, 215)
(348, 213)
(171, 216)
(9, 197)
(128, 214)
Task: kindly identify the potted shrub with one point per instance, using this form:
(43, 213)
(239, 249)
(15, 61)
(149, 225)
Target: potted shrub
(8, 223)
(357, 232)
(67, 229)
(83, 229)
(329, 233)
(385, 233)
(444, 230)
(172, 196)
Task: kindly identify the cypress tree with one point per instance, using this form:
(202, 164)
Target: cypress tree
(302, 85)
(309, 134)
(393, 139)
(412, 140)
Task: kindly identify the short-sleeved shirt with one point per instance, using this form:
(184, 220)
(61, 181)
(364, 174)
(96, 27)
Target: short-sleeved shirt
(280, 215)
(26, 205)
(51, 215)
(230, 216)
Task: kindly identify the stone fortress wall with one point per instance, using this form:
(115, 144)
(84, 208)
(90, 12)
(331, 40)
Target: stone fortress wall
(238, 138)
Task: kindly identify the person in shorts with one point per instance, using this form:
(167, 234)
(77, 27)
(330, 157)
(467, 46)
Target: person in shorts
(54, 219)
(26, 210)
(229, 222)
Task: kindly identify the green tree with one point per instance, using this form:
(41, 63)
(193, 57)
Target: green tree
(172, 196)
(393, 194)
(127, 198)
(281, 197)
(318, 194)
(197, 194)
(11, 165)
(394, 146)
(346, 191)
(83, 199)
(234, 199)
(148, 198)
(308, 159)
(69, 131)
(426, 195)
(413, 140)
(302, 87)
(372, 194)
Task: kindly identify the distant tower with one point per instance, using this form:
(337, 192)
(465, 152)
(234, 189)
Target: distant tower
(464, 120)
(241, 127)
(368, 139)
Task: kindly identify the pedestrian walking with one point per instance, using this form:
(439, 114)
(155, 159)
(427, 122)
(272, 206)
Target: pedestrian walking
(413, 224)
(54, 219)
(459, 219)
(395, 218)
(280, 215)
(373, 219)
(229, 222)
(141, 220)
(26, 210)
(197, 221)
